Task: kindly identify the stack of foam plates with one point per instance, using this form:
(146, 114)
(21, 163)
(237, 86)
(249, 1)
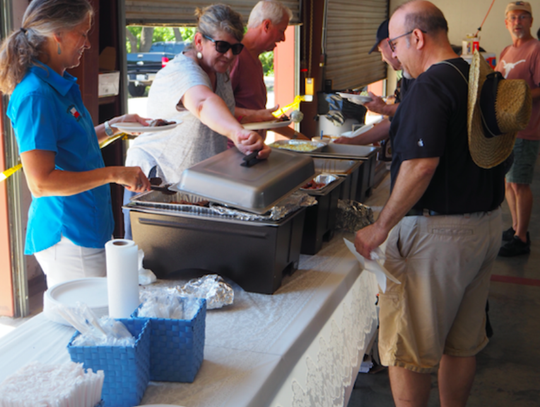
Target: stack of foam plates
(91, 291)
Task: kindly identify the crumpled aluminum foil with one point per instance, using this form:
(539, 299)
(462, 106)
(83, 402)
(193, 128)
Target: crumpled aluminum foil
(211, 287)
(287, 205)
(353, 215)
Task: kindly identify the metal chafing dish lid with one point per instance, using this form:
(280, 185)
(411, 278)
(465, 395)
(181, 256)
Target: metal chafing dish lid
(257, 188)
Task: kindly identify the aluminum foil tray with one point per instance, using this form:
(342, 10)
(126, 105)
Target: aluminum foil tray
(299, 146)
(159, 203)
(333, 166)
(172, 202)
(346, 151)
(326, 181)
(256, 189)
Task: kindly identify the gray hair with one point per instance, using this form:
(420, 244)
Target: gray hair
(41, 20)
(219, 18)
(272, 10)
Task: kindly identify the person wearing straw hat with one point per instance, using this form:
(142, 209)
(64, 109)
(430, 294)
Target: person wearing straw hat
(442, 220)
(521, 60)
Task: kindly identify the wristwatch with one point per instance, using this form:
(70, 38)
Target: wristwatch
(108, 130)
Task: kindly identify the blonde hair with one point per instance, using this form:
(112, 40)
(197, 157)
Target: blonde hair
(42, 19)
(272, 10)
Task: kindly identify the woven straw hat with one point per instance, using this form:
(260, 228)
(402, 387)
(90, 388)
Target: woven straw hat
(494, 119)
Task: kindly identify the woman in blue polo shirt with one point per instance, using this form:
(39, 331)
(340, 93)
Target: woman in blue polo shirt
(70, 217)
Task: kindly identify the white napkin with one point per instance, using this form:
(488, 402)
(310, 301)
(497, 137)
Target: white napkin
(373, 266)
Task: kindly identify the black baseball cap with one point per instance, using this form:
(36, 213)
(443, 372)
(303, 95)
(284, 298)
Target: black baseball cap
(382, 34)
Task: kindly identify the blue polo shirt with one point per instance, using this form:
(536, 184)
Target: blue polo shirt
(47, 113)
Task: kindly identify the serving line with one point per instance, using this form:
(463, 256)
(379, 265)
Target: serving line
(304, 341)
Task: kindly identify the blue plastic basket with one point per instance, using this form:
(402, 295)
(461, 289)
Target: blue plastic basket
(176, 346)
(126, 369)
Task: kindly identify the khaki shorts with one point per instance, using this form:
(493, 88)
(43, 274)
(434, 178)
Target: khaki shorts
(444, 265)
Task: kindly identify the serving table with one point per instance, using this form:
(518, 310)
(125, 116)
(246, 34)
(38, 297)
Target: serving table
(301, 346)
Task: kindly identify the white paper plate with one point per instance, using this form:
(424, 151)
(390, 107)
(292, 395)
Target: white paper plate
(358, 99)
(274, 124)
(357, 132)
(137, 128)
(91, 291)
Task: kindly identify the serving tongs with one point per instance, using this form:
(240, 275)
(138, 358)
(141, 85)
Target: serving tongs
(155, 182)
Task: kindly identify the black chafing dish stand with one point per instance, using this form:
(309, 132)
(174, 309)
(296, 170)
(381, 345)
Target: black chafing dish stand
(320, 220)
(366, 171)
(255, 257)
(350, 170)
(254, 253)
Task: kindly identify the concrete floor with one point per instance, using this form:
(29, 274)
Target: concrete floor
(508, 369)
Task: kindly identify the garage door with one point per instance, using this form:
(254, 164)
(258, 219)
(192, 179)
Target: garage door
(181, 12)
(351, 28)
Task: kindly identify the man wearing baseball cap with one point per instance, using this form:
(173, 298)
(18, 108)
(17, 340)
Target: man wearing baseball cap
(521, 60)
(378, 105)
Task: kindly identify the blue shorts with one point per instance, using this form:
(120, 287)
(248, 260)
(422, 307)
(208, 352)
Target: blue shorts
(525, 153)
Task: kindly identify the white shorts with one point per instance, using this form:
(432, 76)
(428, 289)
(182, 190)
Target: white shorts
(66, 261)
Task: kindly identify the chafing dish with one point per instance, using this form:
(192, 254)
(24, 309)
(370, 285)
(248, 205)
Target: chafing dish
(320, 220)
(366, 154)
(185, 240)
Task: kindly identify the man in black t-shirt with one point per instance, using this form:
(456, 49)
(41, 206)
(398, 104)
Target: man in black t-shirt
(442, 221)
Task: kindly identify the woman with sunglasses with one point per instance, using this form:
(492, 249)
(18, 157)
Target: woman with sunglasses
(194, 90)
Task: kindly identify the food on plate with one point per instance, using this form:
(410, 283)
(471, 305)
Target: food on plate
(314, 185)
(160, 122)
(298, 146)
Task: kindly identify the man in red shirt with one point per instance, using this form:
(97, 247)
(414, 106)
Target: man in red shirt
(521, 60)
(266, 27)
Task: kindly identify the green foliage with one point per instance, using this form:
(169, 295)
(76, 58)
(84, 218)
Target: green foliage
(267, 60)
(159, 34)
(163, 34)
(188, 33)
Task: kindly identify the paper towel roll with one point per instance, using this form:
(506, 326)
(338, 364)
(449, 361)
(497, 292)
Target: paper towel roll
(122, 277)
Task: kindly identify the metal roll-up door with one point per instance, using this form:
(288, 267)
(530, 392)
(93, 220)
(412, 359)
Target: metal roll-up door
(351, 28)
(181, 12)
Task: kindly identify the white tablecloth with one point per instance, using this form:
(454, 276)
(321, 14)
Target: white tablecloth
(302, 344)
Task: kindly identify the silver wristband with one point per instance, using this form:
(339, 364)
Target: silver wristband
(108, 130)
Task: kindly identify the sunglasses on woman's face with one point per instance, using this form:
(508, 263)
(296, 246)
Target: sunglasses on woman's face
(223, 46)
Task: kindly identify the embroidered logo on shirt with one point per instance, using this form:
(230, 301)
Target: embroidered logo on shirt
(509, 66)
(74, 112)
(421, 143)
